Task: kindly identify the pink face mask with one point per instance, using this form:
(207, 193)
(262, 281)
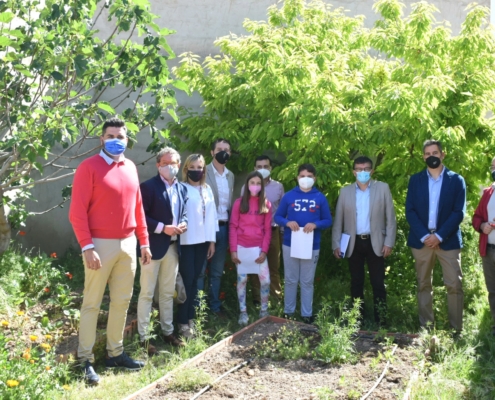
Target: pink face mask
(254, 189)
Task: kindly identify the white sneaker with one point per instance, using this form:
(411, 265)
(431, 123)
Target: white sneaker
(264, 313)
(185, 331)
(243, 319)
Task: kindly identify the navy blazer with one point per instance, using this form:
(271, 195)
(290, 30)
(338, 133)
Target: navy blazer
(451, 209)
(157, 208)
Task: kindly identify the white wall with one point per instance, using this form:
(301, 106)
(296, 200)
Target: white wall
(198, 23)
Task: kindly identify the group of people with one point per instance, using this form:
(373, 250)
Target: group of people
(189, 225)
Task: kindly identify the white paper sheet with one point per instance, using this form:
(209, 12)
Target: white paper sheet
(344, 242)
(301, 244)
(247, 255)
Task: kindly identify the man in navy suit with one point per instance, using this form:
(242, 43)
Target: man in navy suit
(435, 208)
(164, 200)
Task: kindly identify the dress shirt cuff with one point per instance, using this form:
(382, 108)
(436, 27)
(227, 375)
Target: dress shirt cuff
(87, 247)
(439, 237)
(159, 227)
(424, 237)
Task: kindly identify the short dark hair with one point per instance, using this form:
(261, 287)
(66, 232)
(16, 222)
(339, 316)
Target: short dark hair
(113, 122)
(432, 142)
(362, 160)
(263, 157)
(306, 167)
(220, 140)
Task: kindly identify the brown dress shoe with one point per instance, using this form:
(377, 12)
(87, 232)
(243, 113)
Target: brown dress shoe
(173, 340)
(145, 344)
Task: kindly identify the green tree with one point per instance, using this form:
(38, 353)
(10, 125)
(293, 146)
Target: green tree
(316, 86)
(57, 80)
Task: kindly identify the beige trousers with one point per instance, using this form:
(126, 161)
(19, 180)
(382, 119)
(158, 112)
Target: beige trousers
(450, 260)
(118, 268)
(163, 272)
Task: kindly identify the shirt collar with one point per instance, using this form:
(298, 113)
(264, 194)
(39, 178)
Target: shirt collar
(109, 160)
(367, 187)
(168, 185)
(218, 173)
(439, 176)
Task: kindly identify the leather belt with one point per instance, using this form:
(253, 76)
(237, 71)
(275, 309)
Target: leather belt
(363, 237)
(274, 228)
(173, 241)
(432, 231)
(222, 223)
(490, 246)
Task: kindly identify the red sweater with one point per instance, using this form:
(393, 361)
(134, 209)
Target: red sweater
(251, 229)
(480, 216)
(106, 202)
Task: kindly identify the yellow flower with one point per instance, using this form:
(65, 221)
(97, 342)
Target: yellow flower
(47, 368)
(5, 324)
(20, 313)
(66, 387)
(12, 383)
(33, 338)
(48, 337)
(31, 361)
(46, 347)
(26, 355)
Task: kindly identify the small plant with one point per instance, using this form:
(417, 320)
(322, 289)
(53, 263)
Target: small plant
(188, 379)
(324, 393)
(353, 394)
(337, 344)
(376, 361)
(287, 344)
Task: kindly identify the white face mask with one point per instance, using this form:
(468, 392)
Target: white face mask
(168, 172)
(265, 173)
(306, 182)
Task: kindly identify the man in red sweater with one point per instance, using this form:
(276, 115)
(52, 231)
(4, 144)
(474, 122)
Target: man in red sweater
(107, 214)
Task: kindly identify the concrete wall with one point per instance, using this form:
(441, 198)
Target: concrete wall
(198, 23)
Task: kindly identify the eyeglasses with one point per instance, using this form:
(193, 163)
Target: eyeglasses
(362, 169)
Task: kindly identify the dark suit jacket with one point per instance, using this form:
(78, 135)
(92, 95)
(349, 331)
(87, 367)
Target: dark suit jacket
(157, 208)
(451, 209)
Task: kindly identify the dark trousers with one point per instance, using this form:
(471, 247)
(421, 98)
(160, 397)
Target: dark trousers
(192, 258)
(363, 252)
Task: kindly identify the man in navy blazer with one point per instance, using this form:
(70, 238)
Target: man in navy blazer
(164, 200)
(435, 208)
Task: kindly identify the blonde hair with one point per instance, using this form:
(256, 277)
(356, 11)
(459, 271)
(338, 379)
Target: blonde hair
(185, 167)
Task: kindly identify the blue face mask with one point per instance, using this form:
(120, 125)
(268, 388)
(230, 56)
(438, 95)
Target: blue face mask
(115, 146)
(363, 176)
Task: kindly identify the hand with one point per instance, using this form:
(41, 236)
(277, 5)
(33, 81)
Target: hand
(233, 257)
(292, 225)
(182, 226)
(432, 241)
(336, 253)
(486, 228)
(145, 256)
(309, 227)
(211, 250)
(172, 230)
(261, 259)
(386, 251)
(92, 259)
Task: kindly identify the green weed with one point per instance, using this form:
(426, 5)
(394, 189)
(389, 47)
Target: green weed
(287, 344)
(188, 379)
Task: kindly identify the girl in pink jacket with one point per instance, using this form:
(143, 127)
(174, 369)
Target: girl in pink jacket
(250, 226)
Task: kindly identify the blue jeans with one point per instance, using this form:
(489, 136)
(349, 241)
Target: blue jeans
(190, 265)
(217, 263)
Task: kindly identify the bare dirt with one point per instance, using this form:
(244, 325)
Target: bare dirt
(265, 378)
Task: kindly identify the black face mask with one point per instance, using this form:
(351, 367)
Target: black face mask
(493, 175)
(195, 176)
(433, 162)
(222, 157)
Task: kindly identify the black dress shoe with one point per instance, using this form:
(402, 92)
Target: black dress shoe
(90, 376)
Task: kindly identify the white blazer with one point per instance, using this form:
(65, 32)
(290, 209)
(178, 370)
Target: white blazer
(199, 229)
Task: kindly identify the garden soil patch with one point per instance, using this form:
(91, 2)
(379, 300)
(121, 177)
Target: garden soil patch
(265, 378)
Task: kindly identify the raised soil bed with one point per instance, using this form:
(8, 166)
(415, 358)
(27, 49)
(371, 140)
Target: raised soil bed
(265, 378)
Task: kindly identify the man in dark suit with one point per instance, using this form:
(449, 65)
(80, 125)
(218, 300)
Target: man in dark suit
(435, 208)
(164, 200)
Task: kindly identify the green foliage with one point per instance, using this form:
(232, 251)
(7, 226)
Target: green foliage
(337, 342)
(187, 379)
(313, 85)
(287, 344)
(57, 74)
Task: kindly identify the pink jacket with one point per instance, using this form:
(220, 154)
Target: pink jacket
(251, 229)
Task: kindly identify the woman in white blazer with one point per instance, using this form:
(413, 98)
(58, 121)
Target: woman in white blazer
(198, 242)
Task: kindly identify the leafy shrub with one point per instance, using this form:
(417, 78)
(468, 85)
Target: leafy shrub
(337, 343)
